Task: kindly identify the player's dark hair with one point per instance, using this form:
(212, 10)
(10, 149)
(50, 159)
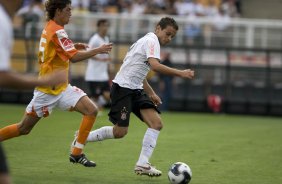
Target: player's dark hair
(168, 21)
(52, 5)
(101, 21)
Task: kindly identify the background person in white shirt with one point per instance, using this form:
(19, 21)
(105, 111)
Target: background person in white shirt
(10, 79)
(131, 92)
(97, 72)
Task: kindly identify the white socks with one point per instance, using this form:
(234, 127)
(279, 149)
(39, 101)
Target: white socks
(100, 134)
(149, 143)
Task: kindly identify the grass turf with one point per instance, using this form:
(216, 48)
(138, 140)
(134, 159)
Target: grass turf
(220, 149)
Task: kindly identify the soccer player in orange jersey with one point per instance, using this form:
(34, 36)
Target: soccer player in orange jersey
(56, 51)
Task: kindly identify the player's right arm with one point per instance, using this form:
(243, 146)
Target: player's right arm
(156, 66)
(82, 55)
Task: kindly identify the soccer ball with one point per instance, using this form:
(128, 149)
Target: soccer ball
(179, 173)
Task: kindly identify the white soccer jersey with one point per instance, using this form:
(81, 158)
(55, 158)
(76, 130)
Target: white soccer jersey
(6, 37)
(135, 65)
(97, 70)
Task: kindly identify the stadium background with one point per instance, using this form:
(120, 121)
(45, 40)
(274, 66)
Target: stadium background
(241, 63)
(235, 49)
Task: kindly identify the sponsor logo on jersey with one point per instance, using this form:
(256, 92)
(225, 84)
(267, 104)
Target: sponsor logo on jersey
(65, 42)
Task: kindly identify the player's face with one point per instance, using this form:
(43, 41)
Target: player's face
(104, 28)
(65, 14)
(165, 35)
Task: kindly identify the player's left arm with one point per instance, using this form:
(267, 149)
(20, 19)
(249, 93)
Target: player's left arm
(156, 66)
(81, 46)
(153, 96)
(83, 55)
(84, 46)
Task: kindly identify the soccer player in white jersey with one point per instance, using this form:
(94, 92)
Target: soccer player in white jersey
(97, 71)
(131, 92)
(14, 80)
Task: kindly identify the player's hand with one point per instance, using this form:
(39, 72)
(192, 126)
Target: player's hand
(55, 78)
(156, 99)
(188, 73)
(81, 46)
(106, 48)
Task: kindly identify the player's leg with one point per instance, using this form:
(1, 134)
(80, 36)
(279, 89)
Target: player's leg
(152, 119)
(22, 128)
(4, 171)
(95, 91)
(89, 110)
(106, 92)
(107, 132)
(74, 99)
(119, 115)
(41, 105)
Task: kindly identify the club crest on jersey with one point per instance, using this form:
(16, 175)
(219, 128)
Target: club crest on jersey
(123, 113)
(65, 42)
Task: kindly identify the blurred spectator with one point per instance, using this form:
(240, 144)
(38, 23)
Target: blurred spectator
(221, 20)
(97, 71)
(169, 7)
(184, 7)
(220, 23)
(192, 30)
(81, 5)
(31, 13)
(211, 9)
(199, 8)
(94, 6)
(160, 7)
(229, 8)
(138, 7)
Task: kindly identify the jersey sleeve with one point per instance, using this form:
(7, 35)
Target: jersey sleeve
(152, 49)
(64, 46)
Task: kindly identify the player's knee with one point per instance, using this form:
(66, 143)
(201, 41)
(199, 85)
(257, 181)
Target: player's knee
(24, 130)
(119, 132)
(157, 126)
(92, 111)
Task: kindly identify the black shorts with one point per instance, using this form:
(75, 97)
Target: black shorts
(3, 163)
(98, 88)
(124, 101)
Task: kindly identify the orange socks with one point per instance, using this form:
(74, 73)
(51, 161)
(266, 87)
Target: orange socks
(9, 132)
(84, 130)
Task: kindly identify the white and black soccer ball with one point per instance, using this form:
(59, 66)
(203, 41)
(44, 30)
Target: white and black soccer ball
(179, 173)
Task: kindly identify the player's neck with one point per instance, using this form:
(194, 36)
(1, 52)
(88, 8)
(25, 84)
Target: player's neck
(102, 35)
(58, 22)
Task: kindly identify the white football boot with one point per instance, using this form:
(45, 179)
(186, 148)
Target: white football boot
(147, 169)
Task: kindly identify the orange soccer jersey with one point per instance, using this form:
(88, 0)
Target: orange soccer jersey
(55, 50)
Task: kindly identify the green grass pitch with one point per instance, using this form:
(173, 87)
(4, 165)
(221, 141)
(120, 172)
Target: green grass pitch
(220, 149)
